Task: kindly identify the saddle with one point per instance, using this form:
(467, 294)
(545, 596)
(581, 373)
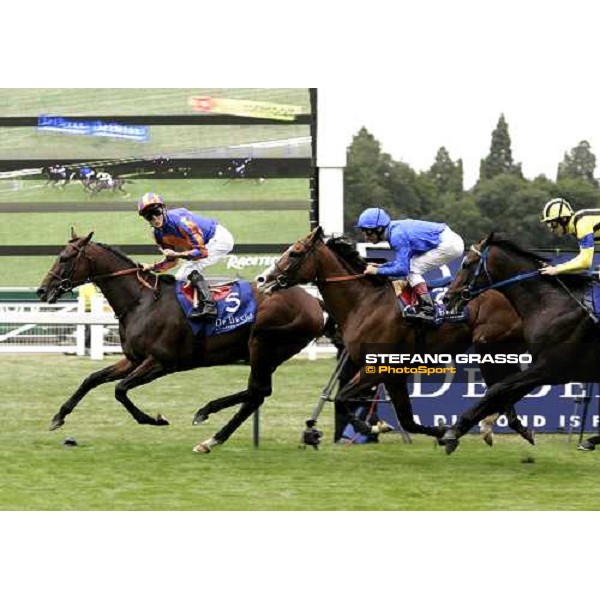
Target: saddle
(408, 302)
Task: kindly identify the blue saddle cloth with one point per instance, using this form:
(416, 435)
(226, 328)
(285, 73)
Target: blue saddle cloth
(236, 307)
(591, 298)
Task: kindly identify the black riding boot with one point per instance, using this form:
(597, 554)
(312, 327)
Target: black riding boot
(426, 309)
(207, 307)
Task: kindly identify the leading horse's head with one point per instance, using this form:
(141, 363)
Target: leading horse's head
(72, 268)
(471, 273)
(296, 265)
(494, 262)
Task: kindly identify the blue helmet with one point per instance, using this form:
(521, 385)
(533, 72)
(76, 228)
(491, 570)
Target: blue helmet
(373, 218)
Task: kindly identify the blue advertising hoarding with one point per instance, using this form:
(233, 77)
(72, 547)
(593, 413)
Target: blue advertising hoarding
(138, 133)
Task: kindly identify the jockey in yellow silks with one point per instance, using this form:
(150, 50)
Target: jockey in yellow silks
(583, 224)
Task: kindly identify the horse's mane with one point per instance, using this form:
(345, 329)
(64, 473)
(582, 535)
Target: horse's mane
(120, 254)
(502, 240)
(116, 252)
(345, 249)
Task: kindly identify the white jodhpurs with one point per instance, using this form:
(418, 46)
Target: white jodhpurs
(218, 246)
(451, 247)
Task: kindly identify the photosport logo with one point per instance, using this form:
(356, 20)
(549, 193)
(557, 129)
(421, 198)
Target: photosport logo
(385, 362)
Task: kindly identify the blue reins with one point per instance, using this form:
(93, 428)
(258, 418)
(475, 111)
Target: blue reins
(483, 255)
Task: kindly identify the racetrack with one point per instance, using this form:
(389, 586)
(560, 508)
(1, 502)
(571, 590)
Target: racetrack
(120, 465)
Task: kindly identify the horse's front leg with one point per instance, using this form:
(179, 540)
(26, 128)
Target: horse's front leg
(219, 404)
(149, 370)
(499, 398)
(112, 373)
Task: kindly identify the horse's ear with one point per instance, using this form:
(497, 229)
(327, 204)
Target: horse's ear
(88, 237)
(317, 232)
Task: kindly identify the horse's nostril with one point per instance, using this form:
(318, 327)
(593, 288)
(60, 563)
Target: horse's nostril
(261, 279)
(40, 292)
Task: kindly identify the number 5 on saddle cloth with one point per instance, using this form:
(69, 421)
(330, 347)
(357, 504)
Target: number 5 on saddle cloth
(236, 306)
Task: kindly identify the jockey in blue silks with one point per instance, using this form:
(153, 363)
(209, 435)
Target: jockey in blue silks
(194, 238)
(420, 246)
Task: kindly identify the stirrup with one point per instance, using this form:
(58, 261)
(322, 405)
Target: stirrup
(208, 310)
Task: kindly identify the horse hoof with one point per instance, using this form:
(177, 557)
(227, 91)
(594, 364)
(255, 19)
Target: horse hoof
(201, 449)
(199, 419)
(57, 422)
(451, 445)
(160, 420)
(488, 438)
(586, 447)
(529, 435)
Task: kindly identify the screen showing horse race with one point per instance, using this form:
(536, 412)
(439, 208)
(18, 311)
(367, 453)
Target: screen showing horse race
(84, 157)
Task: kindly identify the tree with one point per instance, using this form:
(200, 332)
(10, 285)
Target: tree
(364, 177)
(580, 163)
(372, 178)
(446, 175)
(513, 205)
(499, 161)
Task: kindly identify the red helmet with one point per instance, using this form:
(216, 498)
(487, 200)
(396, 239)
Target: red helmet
(149, 200)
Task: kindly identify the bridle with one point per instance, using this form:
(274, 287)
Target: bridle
(66, 283)
(470, 291)
(282, 279)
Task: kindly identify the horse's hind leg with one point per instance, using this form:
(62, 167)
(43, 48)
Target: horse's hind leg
(493, 373)
(112, 373)
(147, 371)
(401, 400)
(515, 424)
(353, 389)
(219, 404)
(486, 428)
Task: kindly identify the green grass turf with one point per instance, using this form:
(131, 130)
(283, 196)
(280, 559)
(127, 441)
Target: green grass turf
(18, 102)
(173, 191)
(261, 226)
(28, 143)
(120, 465)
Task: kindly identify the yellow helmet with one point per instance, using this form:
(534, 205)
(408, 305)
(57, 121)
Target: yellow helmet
(555, 209)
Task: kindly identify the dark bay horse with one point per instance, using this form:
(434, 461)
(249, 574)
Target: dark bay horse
(560, 334)
(157, 340)
(365, 308)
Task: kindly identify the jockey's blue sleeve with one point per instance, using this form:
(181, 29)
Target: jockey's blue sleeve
(399, 267)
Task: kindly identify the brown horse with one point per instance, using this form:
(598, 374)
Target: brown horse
(366, 310)
(157, 339)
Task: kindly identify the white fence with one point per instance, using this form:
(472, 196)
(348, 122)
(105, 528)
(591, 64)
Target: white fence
(67, 328)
